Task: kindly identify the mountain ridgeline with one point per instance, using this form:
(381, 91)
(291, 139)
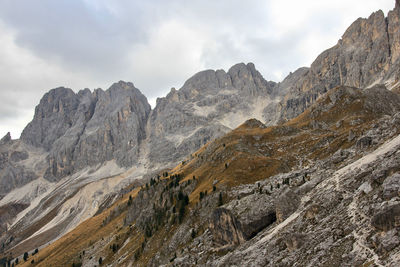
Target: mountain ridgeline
(231, 169)
(87, 128)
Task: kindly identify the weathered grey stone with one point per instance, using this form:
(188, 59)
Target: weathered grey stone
(387, 219)
(18, 156)
(364, 142)
(391, 186)
(203, 109)
(225, 228)
(85, 129)
(5, 139)
(53, 116)
(254, 212)
(367, 54)
(286, 204)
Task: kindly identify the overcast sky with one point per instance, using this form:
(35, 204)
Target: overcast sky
(155, 44)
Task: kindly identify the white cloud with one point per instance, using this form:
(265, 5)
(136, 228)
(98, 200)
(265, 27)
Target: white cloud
(156, 44)
(24, 78)
(171, 54)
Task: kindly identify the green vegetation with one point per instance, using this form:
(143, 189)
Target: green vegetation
(193, 233)
(220, 201)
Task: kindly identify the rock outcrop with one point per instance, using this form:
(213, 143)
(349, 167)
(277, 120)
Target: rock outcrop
(6, 139)
(208, 105)
(225, 228)
(367, 54)
(85, 129)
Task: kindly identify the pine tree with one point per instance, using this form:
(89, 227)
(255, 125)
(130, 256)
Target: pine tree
(220, 201)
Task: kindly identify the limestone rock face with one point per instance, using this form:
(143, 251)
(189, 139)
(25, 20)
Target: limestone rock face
(387, 219)
(53, 116)
(286, 204)
(226, 229)
(367, 54)
(19, 165)
(5, 139)
(88, 128)
(254, 212)
(208, 105)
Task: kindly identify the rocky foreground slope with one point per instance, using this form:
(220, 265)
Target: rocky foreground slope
(82, 154)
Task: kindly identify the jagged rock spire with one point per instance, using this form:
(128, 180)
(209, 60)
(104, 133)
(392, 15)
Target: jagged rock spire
(6, 138)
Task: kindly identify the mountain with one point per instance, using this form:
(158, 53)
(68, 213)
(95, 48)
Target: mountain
(208, 105)
(367, 54)
(86, 128)
(231, 169)
(321, 188)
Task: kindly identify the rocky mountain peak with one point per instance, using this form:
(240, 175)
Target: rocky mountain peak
(5, 139)
(368, 54)
(85, 128)
(53, 116)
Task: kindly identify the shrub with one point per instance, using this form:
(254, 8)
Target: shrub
(130, 200)
(180, 195)
(193, 233)
(214, 188)
(220, 201)
(173, 258)
(148, 232)
(26, 256)
(100, 260)
(181, 213)
(137, 255)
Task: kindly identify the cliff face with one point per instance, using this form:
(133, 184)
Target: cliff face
(209, 104)
(367, 54)
(85, 129)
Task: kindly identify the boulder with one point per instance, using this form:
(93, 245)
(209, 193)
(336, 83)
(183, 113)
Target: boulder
(387, 219)
(225, 228)
(286, 204)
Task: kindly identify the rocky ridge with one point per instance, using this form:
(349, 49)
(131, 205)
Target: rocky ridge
(367, 54)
